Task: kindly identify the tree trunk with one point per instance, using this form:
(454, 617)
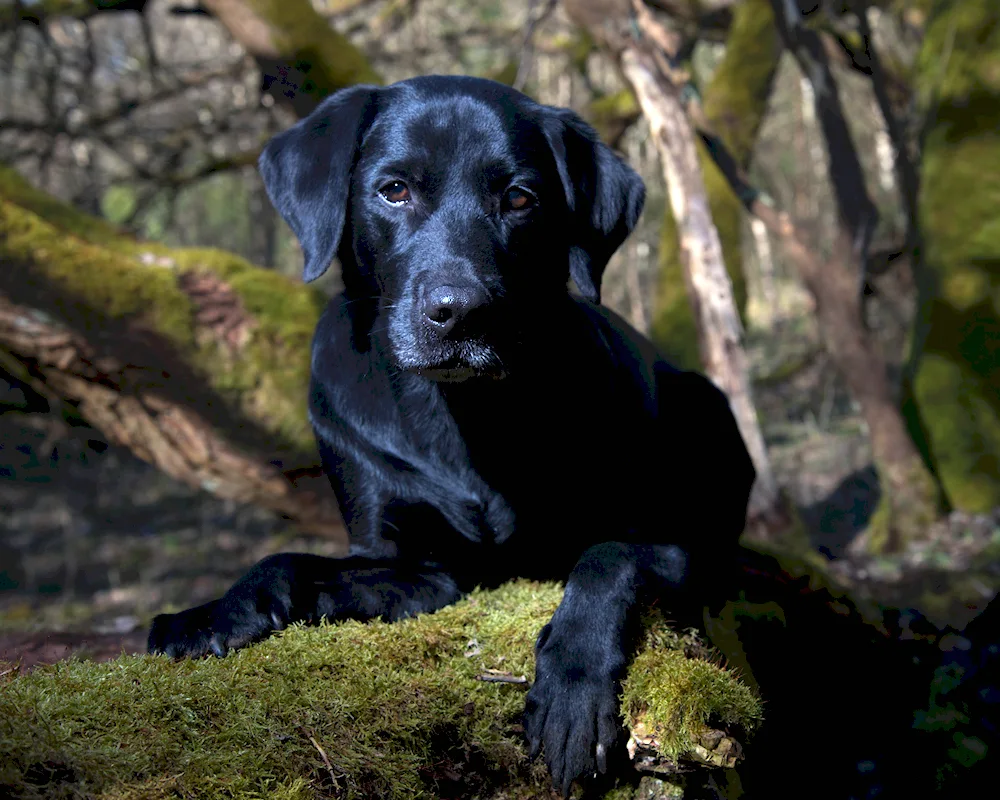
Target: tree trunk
(734, 106)
(909, 499)
(303, 57)
(719, 329)
(194, 359)
(954, 381)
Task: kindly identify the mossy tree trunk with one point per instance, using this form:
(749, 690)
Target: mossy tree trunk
(955, 357)
(296, 48)
(195, 360)
(302, 57)
(733, 107)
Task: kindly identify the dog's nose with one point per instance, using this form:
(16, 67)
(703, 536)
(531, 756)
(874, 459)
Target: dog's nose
(446, 306)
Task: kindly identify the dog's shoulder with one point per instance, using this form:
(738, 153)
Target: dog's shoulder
(626, 348)
(676, 391)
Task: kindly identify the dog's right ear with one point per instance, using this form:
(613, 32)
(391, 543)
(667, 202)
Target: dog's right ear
(307, 173)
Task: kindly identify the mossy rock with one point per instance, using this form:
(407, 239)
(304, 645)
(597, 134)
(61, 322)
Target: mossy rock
(348, 710)
(103, 282)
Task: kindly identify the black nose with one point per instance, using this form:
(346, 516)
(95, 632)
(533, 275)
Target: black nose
(447, 306)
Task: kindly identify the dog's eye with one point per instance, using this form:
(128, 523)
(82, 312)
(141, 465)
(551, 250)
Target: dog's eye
(395, 192)
(517, 200)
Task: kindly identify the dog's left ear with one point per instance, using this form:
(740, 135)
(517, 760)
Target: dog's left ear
(604, 195)
(307, 173)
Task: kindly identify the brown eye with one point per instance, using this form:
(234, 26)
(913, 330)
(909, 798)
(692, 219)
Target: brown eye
(395, 192)
(517, 200)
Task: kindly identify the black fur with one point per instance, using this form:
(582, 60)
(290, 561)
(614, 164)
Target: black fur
(476, 420)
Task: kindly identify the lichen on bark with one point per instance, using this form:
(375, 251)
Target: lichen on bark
(955, 355)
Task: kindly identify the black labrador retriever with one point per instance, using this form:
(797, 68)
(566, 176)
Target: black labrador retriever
(479, 422)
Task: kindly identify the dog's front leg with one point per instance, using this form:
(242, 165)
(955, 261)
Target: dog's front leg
(581, 655)
(299, 587)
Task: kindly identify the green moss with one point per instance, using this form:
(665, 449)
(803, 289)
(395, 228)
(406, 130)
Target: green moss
(676, 697)
(98, 279)
(17, 190)
(908, 505)
(955, 361)
(674, 327)
(12, 13)
(394, 707)
(119, 203)
(612, 113)
(302, 36)
(506, 74)
(727, 214)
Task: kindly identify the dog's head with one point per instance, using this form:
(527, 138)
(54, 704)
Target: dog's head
(458, 204)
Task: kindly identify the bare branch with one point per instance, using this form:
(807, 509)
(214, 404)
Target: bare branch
(857, 210)
(158, 429)
(527, 48)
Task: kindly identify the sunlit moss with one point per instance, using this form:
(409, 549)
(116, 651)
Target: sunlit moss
(387, 704)
(97, 276)
(735, 104)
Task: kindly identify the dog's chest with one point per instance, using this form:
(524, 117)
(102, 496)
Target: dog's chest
(542, 448)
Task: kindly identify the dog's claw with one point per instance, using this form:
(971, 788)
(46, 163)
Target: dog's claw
(218, 645)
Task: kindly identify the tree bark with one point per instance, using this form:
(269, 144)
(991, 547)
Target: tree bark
(195, 360)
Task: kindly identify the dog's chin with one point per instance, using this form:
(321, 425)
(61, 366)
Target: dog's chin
(458, 373)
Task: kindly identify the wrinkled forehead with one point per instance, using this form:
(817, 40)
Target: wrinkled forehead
(424, 133)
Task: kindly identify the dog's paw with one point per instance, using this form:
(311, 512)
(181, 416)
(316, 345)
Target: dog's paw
(188, 633)
(572, 709)
(258, 604)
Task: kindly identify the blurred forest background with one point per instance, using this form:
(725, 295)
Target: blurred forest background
(152, 434)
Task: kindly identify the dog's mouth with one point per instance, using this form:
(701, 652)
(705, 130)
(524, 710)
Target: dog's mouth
(457, 373)
(455, 362)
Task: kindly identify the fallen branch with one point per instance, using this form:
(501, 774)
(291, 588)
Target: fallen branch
(112, 396)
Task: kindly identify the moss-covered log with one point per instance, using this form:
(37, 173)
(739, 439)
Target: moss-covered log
(733, 108)
(956, 349)
(195, 359)
(427, 707)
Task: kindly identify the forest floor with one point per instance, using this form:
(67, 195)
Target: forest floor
(92, 545)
